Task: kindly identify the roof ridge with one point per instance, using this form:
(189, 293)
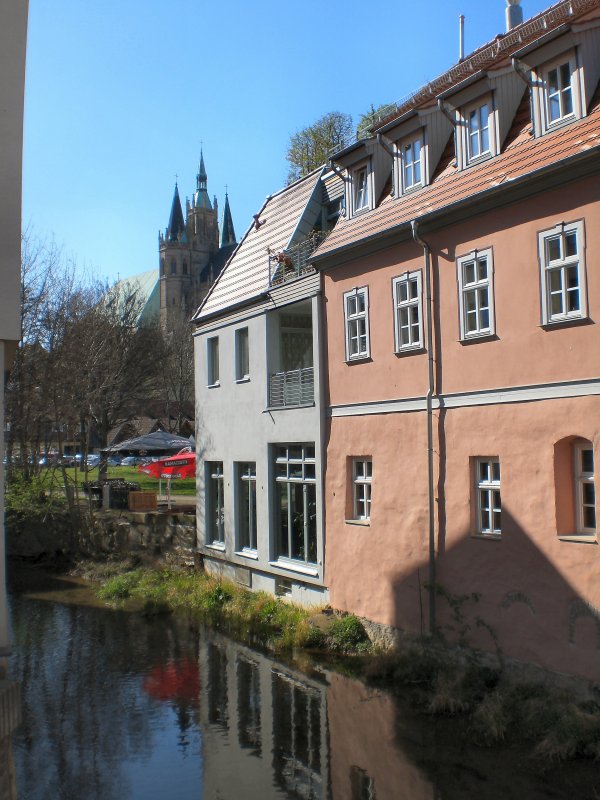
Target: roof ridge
(543, 22)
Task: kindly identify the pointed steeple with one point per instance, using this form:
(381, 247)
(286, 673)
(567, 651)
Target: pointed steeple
(227, 231)
(176, 223)
(201, 198)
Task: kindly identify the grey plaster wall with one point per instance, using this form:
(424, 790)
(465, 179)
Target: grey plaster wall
(233, 424)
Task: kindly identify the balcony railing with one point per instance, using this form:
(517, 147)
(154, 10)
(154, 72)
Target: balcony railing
(293, 388)
(285, 265)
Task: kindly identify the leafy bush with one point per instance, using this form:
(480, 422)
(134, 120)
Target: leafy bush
(347, 634)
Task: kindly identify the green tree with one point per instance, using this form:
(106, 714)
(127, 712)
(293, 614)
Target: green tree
(310, 147)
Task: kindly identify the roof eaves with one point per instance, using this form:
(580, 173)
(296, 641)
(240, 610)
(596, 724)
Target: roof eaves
(223, 312)
(566, 164)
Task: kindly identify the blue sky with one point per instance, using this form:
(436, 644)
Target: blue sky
(120, 94)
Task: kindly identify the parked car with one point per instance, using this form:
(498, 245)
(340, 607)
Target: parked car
(113, 461)
(133, 461)
(93, 460)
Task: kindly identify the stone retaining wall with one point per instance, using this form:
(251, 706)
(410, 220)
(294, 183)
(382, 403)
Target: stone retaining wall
(149, 535)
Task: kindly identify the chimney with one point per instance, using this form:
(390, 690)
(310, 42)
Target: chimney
(514, 14)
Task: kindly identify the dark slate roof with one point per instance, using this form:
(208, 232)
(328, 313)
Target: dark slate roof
(176, 223)
(227, 231)
(214, 267)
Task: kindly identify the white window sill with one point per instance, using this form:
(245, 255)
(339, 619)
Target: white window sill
(582, 538)
(247, 554)
(410, 350)
(491, 537)
(213, 385)
(484, 336)
(295, 567)
(216, 546)
(245, 379)
(411, 189)
(358, 359)
(358, 211)
(558, 322)
(268, 409)
(471, 162)
(364, 522)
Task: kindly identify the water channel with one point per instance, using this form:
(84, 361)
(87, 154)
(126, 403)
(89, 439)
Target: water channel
(117, 706)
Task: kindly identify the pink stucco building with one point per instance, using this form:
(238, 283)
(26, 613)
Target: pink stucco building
(462, 296)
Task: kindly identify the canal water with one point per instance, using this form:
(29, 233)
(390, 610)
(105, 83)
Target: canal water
(118, 706)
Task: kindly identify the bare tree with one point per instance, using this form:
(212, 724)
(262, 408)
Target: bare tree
(175, 387)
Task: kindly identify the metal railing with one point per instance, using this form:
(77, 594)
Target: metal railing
(285, 265)
(293, 388)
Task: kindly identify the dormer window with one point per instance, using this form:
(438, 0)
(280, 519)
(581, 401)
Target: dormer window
(361, 194)
(478, 126)
(361, 190)
(412, 164)
(559, 93)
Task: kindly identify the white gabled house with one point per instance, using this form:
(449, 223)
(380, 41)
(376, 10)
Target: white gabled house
(260, 421)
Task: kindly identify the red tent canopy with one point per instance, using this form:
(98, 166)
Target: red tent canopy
(182, 465)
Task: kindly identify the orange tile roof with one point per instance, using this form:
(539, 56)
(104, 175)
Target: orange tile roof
(246, 274)
(522, 156)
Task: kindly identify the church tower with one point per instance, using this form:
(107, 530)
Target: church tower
(190, 254)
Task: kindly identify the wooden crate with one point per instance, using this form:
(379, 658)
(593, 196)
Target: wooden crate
(143, 501)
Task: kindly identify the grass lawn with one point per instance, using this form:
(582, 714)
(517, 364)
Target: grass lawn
(186, 486)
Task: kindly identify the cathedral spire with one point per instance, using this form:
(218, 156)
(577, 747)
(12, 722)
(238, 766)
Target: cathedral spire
(201, 177)
(176, 223)
(201, 198)
(227, 231)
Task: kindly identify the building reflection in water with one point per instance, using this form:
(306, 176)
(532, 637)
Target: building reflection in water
(270, 731)
(273, 744)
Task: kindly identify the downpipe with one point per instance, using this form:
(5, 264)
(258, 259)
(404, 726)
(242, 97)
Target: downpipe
(429, 407)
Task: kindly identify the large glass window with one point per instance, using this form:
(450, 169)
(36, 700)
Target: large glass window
(296, 499)
(215, 510)
(408, 324)
(356, 317)
(489, 504)
(475, 286)
(246, 494)
(563, 273)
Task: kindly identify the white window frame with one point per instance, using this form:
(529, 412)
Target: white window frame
(242, 371)
(468, 157)
(560, 265)
(409, 279)
(584, 478)
(293, 470)
(486, 488)
(212, 361)
(576, 112)
(403, 184)
(467, 288)
(215, 484)
(360, 319)
(362, 481)
(246, 474)
(361, 191)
